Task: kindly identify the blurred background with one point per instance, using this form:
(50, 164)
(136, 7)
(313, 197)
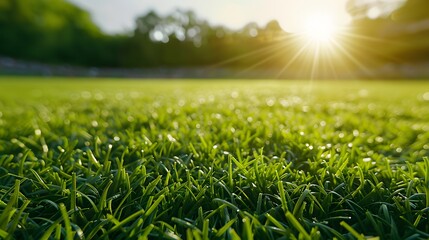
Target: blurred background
(241, 39)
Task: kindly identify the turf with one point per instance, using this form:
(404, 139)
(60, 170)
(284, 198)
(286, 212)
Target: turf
(133, 159)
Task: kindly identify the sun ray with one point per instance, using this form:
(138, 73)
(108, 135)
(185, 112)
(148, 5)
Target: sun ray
(333, 57)
(277, 43)
(267, 59)
(365, 37)
(283, 47)
(246, 55)
(315, 62)
(349, 37)
(331, 62)
(293, 59)
(352, 58)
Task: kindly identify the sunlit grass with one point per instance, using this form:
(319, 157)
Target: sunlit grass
(128, 159)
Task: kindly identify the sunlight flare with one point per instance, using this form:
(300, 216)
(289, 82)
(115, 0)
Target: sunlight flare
(319, 28)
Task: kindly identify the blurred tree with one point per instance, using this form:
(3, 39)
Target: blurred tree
(411, 26)
(51, 30)
(392, 31)
(178, 39)
(412, 10)
(182, 39)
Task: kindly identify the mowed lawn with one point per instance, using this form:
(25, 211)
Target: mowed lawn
(213, 159)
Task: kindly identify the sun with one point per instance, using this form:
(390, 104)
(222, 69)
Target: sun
(319, 28)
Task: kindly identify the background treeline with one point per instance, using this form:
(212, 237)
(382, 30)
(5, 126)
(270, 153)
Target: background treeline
(56, 31)
(400, 36)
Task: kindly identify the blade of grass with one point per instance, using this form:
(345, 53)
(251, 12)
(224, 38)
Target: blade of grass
(10, 208)
(225, 227)
(297, 225)
(69, 233)
(352, 231)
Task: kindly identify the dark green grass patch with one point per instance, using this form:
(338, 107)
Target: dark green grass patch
(129, 159)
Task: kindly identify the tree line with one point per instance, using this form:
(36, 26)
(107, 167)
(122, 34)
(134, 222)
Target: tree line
(58, 32)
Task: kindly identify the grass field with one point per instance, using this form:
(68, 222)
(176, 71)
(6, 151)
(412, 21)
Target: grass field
(130, 159)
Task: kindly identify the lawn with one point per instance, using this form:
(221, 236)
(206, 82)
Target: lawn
(213, 159)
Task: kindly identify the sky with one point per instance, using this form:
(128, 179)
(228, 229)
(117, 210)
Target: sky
(117, 16)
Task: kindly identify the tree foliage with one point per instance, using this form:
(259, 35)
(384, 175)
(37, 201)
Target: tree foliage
(398, 35)
(183, 39)
(51, 31)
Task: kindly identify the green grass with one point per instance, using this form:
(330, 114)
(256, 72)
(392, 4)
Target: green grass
(129, 159)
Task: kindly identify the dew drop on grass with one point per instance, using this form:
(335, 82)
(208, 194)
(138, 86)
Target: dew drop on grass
(45, 148)
(426, 96)
(116, 138)
(363, 93)
(38, 132)
(309, 146)
(284, 103)
(366, 159)
(171, 138)
(371, 107)
(398, 150)
(305, 108)
(98, 96)
(270, 102)
(85, 95)
(94, 123)
(201, 100)
(355, 133)
(296, 99)
(181, 103)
